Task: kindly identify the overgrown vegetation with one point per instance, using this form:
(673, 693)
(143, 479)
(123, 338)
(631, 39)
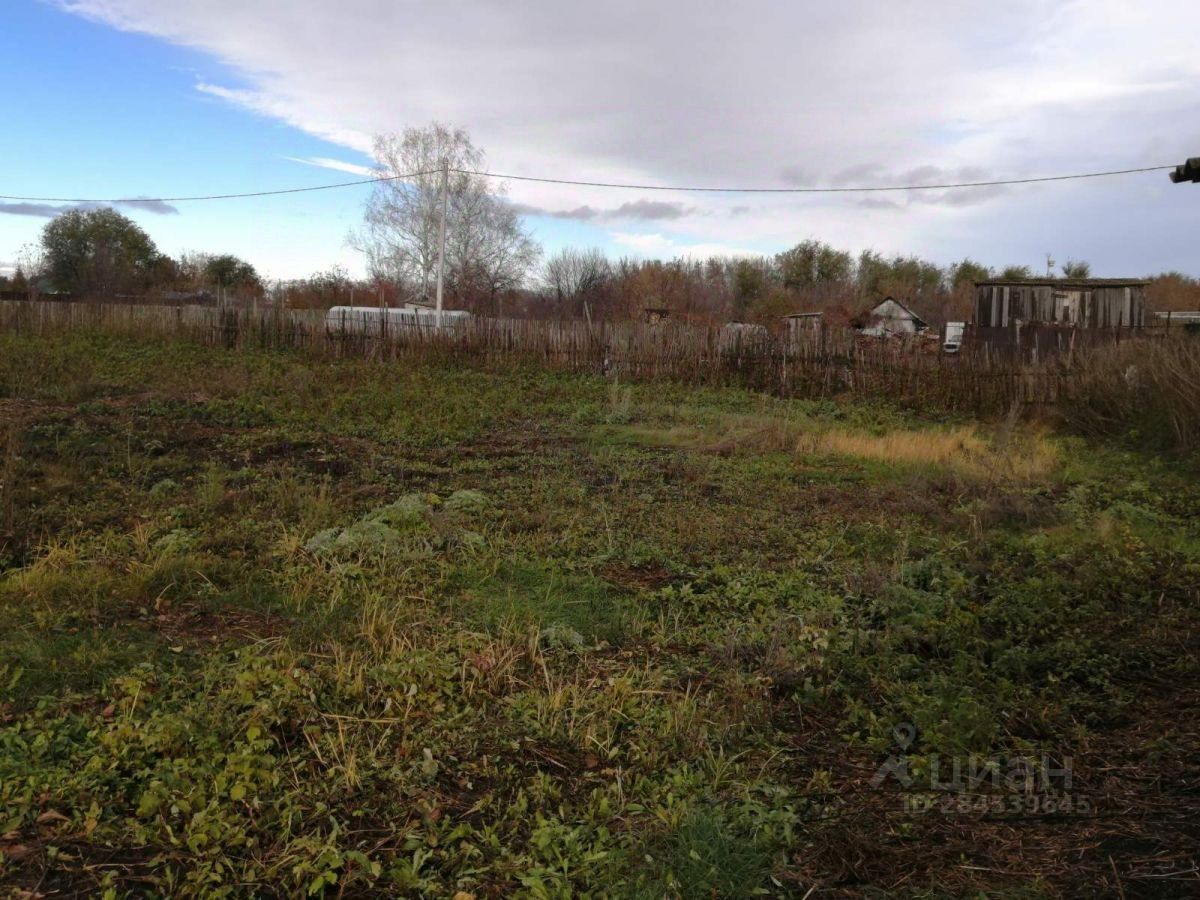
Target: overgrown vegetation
(1144, 392)
(284, 625)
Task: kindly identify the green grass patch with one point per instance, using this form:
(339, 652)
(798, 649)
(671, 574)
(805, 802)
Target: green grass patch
(540, 595)
(277, 625)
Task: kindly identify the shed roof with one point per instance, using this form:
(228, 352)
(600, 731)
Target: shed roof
(1062, 282)
(886, 300)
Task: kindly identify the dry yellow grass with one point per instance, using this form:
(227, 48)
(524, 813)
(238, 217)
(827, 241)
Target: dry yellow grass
(962, 450)
(1002, 452)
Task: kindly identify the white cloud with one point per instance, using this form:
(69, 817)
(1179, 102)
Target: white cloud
(267, 104)
(337, 165)
(658, 246)
(759, 93)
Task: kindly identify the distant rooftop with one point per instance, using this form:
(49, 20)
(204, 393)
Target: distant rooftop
(1063, 282)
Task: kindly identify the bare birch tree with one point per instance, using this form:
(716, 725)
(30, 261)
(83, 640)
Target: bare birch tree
(487, 249)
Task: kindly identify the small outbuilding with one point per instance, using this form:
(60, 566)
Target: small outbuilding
(891, 317)
(804, 323)
(1074, 302)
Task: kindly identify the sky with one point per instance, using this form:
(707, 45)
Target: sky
(162, 98)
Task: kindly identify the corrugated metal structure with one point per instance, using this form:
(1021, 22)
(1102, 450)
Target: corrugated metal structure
(1073, 302)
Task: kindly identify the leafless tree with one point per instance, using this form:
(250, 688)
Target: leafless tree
(576, 278)
(487, 250)
(31, 265)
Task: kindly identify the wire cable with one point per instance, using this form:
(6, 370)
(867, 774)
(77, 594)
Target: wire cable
(818, 190)
(299, 190)
(607, 184)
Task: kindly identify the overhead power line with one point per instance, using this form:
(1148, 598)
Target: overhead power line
(297, 190)
(607, 184)
(820, 190)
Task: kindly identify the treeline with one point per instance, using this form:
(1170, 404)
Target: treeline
(810, 277)
(101, 253)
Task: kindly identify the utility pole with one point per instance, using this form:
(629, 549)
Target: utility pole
(441, 271)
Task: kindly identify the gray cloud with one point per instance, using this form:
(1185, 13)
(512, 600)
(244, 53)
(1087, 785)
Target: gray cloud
(50, 210)
(856, 175)
(651, 210)
(870, 175)
(961, 197)
(795, 176)
(636, 210)
(152, 206)
(876, 202)
(763, 93)
(43, 210)
(579, 213)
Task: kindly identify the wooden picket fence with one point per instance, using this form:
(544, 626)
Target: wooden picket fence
(819, 363)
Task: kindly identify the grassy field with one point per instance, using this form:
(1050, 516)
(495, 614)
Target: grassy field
(275, 625)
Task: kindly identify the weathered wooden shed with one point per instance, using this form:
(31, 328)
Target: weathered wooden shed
(891, 317)
(803, 324)
(1078, 302)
